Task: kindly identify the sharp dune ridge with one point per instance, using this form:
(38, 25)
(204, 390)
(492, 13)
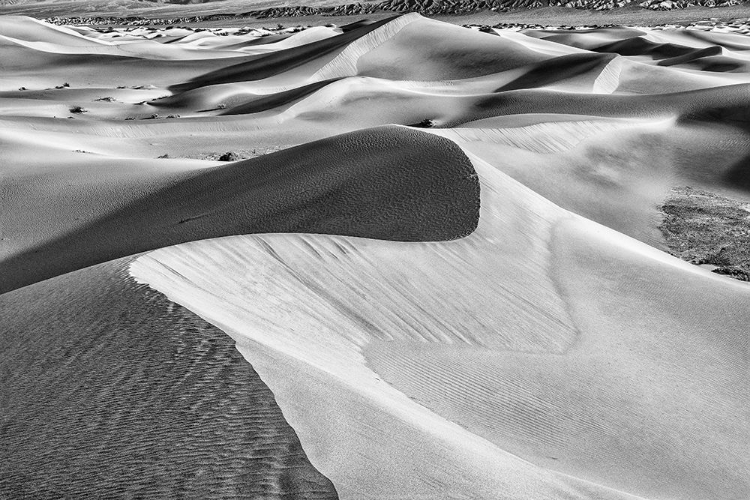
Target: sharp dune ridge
(270, 65)
(447, 279)
(333, 186)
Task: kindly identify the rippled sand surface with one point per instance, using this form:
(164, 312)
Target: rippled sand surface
(118, 392)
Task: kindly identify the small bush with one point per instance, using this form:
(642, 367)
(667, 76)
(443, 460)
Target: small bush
(426, 123)
(78, 110)
(229, 156)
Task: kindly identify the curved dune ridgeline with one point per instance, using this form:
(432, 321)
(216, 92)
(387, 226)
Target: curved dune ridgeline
(389, 183)
(278, 62)
(272, 101)
(392, 259)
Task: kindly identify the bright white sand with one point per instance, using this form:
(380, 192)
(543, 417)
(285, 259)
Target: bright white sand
(376, 350)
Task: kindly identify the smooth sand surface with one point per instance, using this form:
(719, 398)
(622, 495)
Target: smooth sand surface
(470, 300)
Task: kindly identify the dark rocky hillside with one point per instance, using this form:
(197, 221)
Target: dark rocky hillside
(425, 7)
(436, 7)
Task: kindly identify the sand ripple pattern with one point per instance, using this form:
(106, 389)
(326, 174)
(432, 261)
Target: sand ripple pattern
(148, 401)
(545, 138)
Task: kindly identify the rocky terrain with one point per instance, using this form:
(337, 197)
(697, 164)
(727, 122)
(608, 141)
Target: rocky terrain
(708, 230)
(424, 7)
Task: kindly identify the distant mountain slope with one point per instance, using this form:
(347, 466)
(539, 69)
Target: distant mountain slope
(436, 7)
(264, 9)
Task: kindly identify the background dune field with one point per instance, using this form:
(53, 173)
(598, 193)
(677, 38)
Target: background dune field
(396, 258)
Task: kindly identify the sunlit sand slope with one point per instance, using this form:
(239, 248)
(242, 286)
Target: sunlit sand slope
(497, 333)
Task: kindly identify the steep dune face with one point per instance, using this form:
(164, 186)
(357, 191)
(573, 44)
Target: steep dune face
(403, 285)
(280, 61)
(440, 251)
(441, 52)
(497, 333)
(377, 184)
(145, 401)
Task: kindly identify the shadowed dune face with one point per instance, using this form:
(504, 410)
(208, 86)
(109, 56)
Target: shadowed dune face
(389, 183)
(440, 250)
(425, 50)
(146, 401)
(559, 69)
(280, 61)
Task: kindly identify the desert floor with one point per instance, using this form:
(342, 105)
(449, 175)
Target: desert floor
(396, 258)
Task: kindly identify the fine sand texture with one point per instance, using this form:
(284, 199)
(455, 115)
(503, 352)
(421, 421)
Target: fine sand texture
(145, 401)
(394, 259)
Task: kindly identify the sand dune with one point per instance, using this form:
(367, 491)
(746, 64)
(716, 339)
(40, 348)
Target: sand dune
(162, 404)
(474, 366)
(363, 184)
(279, 61)
(441, 251)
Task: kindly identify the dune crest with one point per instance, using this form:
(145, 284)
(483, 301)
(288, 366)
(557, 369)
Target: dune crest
(301, 327)
(394, 193)
(345, 64)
